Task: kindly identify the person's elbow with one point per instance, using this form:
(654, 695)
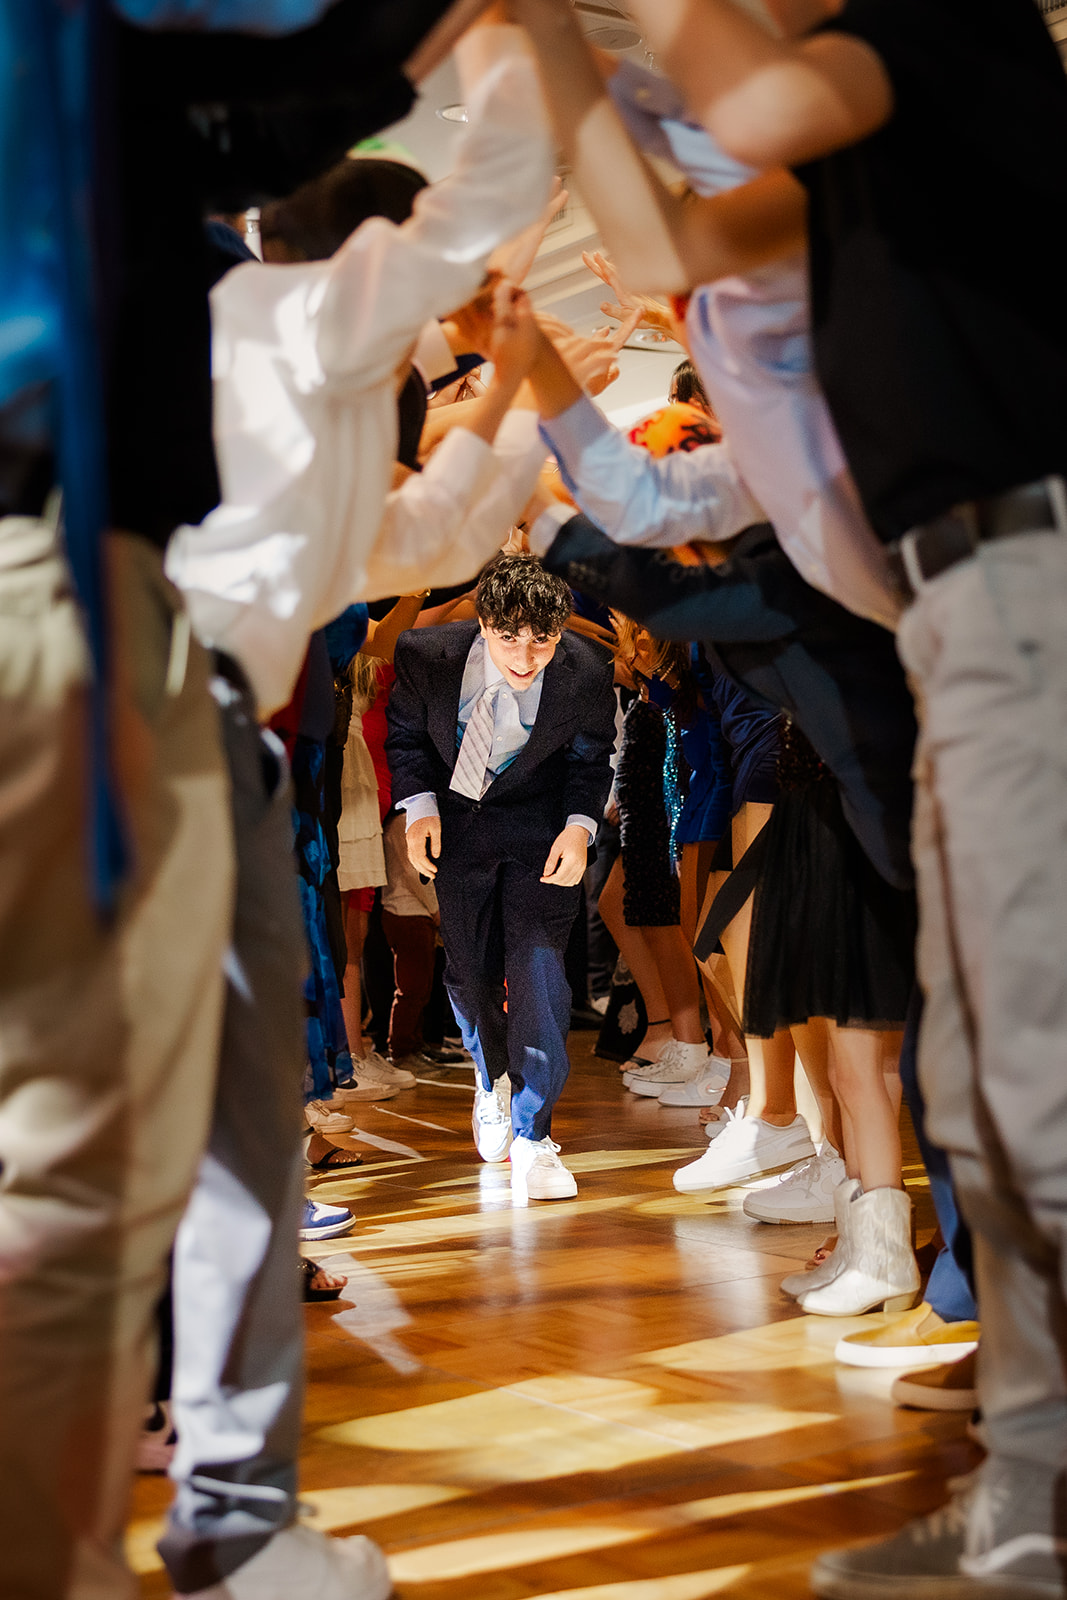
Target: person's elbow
(797, 111)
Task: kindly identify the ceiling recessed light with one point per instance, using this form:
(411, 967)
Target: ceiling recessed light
(615, 38)
(455, 113)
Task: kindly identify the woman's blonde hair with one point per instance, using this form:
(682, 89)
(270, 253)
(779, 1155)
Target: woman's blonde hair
(667, 659)
(365, 676)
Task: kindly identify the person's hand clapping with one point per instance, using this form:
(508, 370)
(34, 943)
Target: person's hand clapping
(516, 337)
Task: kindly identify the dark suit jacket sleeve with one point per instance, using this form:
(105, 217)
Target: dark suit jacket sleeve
(672, 601)
(408, 747)
(589, 752)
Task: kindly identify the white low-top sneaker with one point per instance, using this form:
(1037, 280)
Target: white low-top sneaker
(804, 1194)
(326, 1118)
(746, 1148)
(300, 1564)
(707, 1090)
(374, 1069)
(677, 1063)
(537, 1173)
(491, 1118)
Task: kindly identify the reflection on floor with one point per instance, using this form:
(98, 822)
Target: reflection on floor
(599, 1399)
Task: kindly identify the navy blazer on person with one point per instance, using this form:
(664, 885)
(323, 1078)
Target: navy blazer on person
(787, 645)
(564, 767)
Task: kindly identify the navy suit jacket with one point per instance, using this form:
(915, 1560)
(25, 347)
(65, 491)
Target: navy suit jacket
(564, 767)
(790, 647)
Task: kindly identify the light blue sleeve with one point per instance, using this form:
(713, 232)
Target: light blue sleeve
(637, 499)
(658, 122)
(223, 16)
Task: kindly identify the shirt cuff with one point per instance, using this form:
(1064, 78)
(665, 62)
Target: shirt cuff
(459, 464)
(433, 353)
(577, 820)
(575, 429)
(542, 535)
(418, 806)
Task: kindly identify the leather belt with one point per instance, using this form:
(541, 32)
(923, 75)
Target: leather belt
(935, 546)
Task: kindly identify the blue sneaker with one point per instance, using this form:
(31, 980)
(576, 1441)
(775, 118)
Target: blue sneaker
(325, 1222)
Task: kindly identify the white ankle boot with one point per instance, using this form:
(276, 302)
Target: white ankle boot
(880, 1267)
(799, 1283)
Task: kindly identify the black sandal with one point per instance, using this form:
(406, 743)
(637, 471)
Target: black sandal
(308, 1271)
(334, 1159)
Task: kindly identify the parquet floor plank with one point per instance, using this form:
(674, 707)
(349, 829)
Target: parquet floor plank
(600, 1399)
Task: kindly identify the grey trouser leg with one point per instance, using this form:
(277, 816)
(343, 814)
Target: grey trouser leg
(238, 1308)
(108, 1045)
(986, 645)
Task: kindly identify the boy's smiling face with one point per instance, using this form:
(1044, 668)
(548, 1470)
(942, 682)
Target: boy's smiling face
(520, 654)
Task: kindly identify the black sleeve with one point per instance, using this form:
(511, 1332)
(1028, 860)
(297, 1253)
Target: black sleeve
(589, 753)
(727, 603)
(407, 746)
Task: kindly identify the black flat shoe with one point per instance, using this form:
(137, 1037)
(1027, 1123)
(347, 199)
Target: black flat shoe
(308, 1272)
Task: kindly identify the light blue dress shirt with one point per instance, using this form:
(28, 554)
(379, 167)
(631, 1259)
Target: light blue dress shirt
(514, 714)
(750, 338)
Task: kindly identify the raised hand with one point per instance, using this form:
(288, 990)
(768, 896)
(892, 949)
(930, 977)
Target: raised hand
(516, 338)
(649, 311)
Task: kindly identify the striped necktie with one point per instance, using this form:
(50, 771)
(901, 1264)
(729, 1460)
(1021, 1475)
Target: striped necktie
(470, 778)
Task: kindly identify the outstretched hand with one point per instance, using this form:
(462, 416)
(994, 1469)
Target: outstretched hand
(650, 312)
(590, 358)
(516, 339)
(567, 858)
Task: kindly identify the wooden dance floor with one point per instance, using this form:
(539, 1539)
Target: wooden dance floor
(606, 1398)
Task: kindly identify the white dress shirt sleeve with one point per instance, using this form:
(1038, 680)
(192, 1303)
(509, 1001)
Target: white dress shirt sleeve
(386, 281)
(637, 499)
(444, 523)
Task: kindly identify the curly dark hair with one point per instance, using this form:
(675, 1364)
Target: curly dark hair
(515, 592)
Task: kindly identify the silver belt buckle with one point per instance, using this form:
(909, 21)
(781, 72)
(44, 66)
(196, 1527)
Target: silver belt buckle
(1056, 490)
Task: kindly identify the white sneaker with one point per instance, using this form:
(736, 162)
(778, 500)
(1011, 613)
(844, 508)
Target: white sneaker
(491, 1118)
(374, 1069)
(537, 1173)
(803, 1194)
(325, 1119)
(300, 1564)
(706, 1090)
(677, 1063)
(747, 1147)
(727, 1114)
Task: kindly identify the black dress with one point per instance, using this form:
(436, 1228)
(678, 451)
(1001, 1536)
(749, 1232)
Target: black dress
(830, 937)
(651, 894)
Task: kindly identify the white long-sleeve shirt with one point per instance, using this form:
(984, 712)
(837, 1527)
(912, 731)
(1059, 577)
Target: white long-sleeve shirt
(445, 522)
(304, 360)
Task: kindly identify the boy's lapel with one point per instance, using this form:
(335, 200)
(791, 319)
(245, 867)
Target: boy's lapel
(442, 699)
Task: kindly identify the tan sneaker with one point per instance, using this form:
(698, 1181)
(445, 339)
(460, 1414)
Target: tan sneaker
(948, 1388)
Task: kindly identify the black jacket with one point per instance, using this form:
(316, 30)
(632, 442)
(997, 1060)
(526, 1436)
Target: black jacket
(787, 645)
(564, 768)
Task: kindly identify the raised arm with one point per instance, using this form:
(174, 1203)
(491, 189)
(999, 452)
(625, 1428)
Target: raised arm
(635, 498)
(768, 101)
(662, 243)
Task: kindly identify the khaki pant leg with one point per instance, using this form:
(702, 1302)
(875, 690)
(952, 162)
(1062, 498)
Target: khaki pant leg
(108, 1044)
(987, 645)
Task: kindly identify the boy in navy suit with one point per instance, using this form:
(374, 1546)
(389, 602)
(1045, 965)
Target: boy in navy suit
(500, 738)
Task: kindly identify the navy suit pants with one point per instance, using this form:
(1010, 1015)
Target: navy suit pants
(501, 925)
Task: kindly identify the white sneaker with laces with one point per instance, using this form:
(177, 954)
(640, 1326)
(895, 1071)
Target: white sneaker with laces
(326, 1119)
(491, 1118)
(706, 1090)
(375, 1069)
(300, 1564)
(803, 1194)
(746, 1148)
(677, 1063)
(537, 1173)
